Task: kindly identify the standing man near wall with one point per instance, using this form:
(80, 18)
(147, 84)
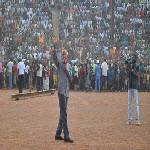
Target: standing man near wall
(15, 82)
(63, 94)
(132, 75)
(97, 76)
(87, 70)
(10, 70)
(21, 71)
(39, 76)
(27, 67)
(104, 67)
(47, 75)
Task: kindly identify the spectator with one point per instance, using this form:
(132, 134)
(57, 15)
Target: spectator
(47, 75)
(104, 67)
(110, 76)
(27, 76)
(97, 76)
(87, 71)
(82, 76)
(1, 75)
(21, 71)
(10, 70)
(39, 76)
(15, 81)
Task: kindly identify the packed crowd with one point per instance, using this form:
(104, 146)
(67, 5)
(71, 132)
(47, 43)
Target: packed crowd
(26, 32)
(87, 28)
(85, 32)
(84, 76)
(26, 29)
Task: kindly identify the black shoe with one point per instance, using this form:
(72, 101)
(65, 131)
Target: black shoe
(68, 140)
(17, 99)
(58, 138)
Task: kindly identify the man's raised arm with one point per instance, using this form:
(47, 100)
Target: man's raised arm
(55, 56)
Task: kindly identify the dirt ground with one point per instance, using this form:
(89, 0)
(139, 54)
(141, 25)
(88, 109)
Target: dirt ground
(96, 121)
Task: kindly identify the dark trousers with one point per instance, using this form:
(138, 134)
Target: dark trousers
(121, 84)
(82, 83)
(26, 81)
(20, 82)
(104, 79)
(141, 83)
(50, 83)
(39, 83)
(34, 80)
(109, 87)
(76, 80)
(63, 101)
(93, 81)
(86, 83)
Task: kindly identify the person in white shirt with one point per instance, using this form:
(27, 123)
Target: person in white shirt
(10, 69)
(21, 70)
(39, 76)
(76, 72)
(27, 76)
(104, 67)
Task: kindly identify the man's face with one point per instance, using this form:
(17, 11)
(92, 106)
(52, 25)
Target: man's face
(64, 55)
(133, 59)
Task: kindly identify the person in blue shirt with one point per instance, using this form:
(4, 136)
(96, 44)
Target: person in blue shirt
(97, 76)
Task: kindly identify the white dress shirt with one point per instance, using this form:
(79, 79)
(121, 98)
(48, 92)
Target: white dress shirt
(21, 67)
(104, 67)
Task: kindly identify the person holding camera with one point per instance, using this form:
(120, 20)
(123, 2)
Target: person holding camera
(132, 75)
(63, 94)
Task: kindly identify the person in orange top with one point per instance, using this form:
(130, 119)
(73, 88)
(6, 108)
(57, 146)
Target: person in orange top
(72, 11)
(41, 39)
(19, 38)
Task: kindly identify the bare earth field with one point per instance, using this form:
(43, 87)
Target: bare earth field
(96, 121)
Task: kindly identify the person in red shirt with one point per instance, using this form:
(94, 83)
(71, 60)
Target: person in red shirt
(132, 36)
(141, 14)
(15, 74)
(82, 76)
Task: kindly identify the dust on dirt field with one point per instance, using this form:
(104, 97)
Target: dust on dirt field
(96, 121)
